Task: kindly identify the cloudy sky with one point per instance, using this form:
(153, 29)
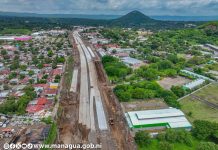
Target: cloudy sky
(149, 7)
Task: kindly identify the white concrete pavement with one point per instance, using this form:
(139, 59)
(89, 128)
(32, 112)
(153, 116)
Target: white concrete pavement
(89, 94)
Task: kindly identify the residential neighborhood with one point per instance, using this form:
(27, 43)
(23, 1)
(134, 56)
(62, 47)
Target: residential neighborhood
(31, 72)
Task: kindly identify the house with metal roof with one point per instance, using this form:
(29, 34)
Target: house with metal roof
(194, 84)
(157, 119)
(196, 75)
(132, 62)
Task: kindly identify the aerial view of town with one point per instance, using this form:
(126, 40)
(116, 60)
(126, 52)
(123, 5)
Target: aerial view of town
(109, 75)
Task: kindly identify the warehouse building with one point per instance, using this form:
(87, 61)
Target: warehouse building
(157, 119)
(195, 75)
(194, 84)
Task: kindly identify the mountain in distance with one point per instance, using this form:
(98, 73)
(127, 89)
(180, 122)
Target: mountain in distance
(109, 17)
(83, 16)
(134, 19)
(139, 20)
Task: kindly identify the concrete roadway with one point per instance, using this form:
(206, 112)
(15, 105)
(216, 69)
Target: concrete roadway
(89, 91)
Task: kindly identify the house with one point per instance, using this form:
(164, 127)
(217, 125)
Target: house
(18, 94)
(4, 94)
(212, 47)
(14, 81)
(25, 80)
(40, 87)
(9, 47)
(1, 66)
(196, 75)
(18, 87)
(132, 62)
(38, 105)
(56, 72)
(50, 92)
(53, 85)
(121, 55)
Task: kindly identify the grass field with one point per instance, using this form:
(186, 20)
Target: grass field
(196, 110)
(176, 146)
(210, 93)
(15, 31)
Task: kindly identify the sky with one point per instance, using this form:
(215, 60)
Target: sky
(113, 7)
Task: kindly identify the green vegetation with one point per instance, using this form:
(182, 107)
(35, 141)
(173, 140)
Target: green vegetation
(115, 69)
(18, 106)
(15, 31)
(134, 19)
(118, 35)
(172, 139)
(161, 68)
(196, 110)
(142, 138)
(145, 90)
(212, 67)
(69, 72)
(203, 137)
(52, 132)
(205, 130)
(178, 91)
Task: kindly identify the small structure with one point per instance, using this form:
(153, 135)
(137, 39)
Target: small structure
(196, 75)
(213, 47)
(4, 94)
(157, 119)
(53, 85)
(194, 84)
(132, 62)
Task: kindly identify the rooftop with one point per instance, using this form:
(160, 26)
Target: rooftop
(130, 60)
(170, 118)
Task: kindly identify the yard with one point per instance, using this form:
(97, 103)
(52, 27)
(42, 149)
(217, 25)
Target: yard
(143, 105)
(168, 82)
(197, 110)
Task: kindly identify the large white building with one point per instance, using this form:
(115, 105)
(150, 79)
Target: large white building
(194, 84)
(156, 119)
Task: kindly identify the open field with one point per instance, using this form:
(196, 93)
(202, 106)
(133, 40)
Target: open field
(196, 109)
(143, 105)
(168, 82)
(210, 93)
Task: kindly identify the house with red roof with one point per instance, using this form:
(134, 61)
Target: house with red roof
(57, 71)
(25, 80)
(38, 105)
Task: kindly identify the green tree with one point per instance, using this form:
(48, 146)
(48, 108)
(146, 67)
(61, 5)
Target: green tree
(178, 90)
(163, 145)
(50, 53)
(207, 146)
(142, 138)
(205, 130)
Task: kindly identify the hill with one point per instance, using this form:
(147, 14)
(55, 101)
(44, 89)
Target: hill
(83, 16)
(133, 19)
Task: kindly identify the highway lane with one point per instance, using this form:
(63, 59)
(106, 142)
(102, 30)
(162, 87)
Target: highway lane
(87, 99)
(84, 91)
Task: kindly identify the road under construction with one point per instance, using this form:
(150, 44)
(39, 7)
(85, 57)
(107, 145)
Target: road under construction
(89, 110)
